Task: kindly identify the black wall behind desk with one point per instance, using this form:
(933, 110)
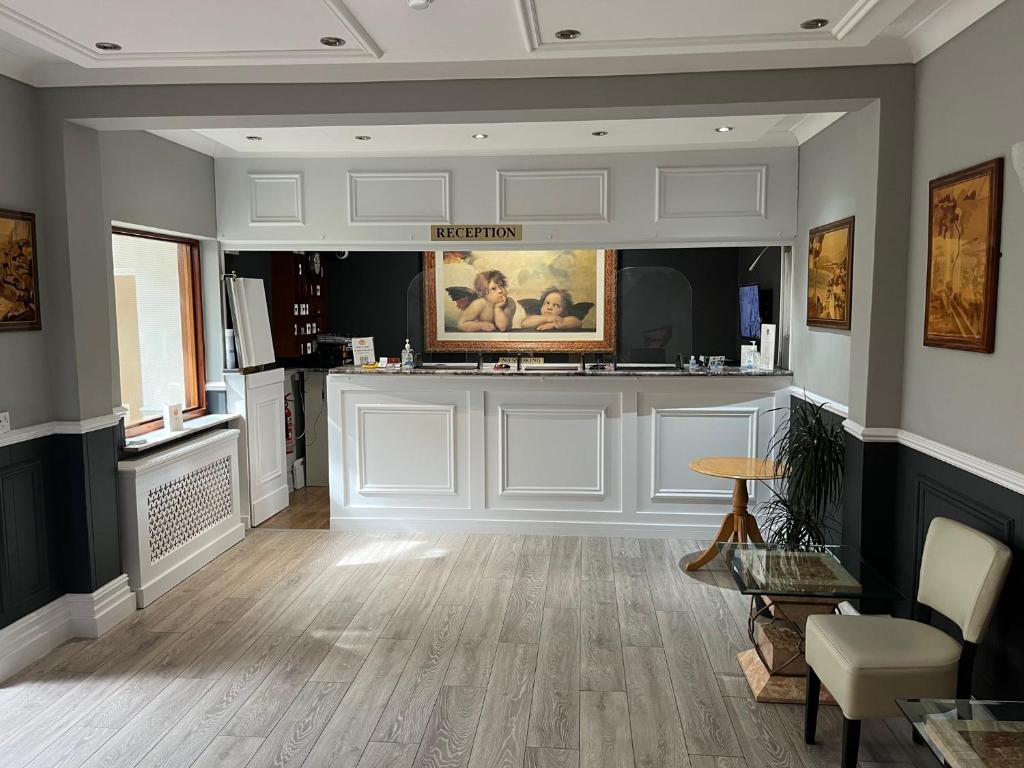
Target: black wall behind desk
(712, 273)
(368, 293)
(369, 290)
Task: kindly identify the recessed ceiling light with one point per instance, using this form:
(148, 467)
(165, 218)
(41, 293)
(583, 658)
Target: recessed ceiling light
(479, 135)
(108, 46)
(599, 133)
(567, 34)
(363, 137)
(814, 24)
(254, 138)
(723, 128)
(332, 42)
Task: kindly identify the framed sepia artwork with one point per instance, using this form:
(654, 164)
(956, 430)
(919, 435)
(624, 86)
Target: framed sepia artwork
(964, 214)
(830, 275)
(519, 301)
(19, 273)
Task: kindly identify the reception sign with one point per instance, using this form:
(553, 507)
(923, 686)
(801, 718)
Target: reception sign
(476, 232)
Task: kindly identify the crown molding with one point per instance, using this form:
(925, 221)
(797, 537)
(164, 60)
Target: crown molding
(945, 23)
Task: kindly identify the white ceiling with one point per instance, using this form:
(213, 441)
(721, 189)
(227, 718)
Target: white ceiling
(52, 42)
(566, 137)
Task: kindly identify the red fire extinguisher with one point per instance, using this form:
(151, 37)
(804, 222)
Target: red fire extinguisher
(289, 425)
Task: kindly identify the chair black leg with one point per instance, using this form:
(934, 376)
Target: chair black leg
(811, 706)
(915, 735)
(851, 742)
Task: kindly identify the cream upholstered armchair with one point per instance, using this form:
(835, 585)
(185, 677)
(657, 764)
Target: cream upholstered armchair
(867, 662)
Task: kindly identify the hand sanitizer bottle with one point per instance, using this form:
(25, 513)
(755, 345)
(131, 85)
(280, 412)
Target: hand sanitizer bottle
(692, 365)
(408, 358)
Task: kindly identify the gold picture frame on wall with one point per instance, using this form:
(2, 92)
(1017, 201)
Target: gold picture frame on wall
(520, 301)
(964, 216)
(19, 272)
(830, 275)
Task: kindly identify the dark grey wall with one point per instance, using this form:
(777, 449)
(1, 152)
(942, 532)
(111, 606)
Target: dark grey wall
(838, 178)
(970, 108)
(152, 182)
(87, 388)
(26, 395)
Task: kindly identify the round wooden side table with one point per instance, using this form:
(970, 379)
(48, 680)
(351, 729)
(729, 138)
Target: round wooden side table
(739, 525)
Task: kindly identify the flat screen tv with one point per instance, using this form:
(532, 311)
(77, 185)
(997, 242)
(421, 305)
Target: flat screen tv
(750, 311)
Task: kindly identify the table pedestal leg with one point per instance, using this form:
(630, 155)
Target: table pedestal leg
(739, 526)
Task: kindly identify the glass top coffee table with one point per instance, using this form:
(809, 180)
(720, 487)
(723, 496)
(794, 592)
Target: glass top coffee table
(785, 587)
(969, 733)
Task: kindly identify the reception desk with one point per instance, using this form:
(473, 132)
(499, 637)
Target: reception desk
(603, 453)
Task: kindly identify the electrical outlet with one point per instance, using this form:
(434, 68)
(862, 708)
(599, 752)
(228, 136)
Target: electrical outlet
(5, 422)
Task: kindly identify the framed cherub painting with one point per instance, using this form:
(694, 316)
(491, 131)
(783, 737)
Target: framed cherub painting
(19, 274)
(519, 301)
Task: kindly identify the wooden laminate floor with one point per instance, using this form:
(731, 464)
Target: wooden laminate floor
(327, 649)
(308, 508)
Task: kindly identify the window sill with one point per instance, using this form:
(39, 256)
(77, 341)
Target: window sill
(163, 436)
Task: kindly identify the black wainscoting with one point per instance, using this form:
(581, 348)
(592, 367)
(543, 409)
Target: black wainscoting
(58, 519)
(927, 488)
(892, 493)
(29, 553)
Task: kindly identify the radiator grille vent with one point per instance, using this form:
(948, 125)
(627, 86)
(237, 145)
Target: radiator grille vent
(181, 509)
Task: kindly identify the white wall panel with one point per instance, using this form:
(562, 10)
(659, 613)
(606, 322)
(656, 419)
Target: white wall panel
(680, 435)
(673, 430)
(711, 192)
(552, 196)
(533, 460)
(540, 454)
(399, 198)
(405, 449)
(275, 199)
(557, 198)
(402, 450)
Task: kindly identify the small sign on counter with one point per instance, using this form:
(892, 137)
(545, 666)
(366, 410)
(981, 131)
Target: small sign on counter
(362, 350)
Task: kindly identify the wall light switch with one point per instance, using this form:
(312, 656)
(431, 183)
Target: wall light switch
(5, 422)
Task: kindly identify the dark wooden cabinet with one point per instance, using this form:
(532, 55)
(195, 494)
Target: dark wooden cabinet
(299, 299)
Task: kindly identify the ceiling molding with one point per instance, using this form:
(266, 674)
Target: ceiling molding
(61, 45)
(813, 123)
(358, 31)
(38, 34)
(945, 23)
(529, 24)
(857, 13)
(533, 37)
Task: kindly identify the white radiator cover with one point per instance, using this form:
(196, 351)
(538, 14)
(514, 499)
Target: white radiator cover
(180, 510)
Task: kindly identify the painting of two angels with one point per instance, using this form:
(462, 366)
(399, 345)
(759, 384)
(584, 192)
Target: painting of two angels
(559, 301)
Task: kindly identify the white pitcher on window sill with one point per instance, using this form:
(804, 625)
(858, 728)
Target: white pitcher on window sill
(174, 421)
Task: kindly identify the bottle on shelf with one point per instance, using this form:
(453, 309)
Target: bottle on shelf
(408, 357)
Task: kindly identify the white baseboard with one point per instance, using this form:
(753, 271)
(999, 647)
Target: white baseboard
(73, 615)
(170, 578)
(542, 527)
(95, 614)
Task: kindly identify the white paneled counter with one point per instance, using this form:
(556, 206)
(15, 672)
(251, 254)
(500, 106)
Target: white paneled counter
(539, 453)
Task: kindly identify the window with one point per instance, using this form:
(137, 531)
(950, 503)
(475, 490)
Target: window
(159, 327)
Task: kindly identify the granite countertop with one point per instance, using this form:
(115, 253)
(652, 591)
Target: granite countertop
(348, 370)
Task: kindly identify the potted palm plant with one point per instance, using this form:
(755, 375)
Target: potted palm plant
(803, 509)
